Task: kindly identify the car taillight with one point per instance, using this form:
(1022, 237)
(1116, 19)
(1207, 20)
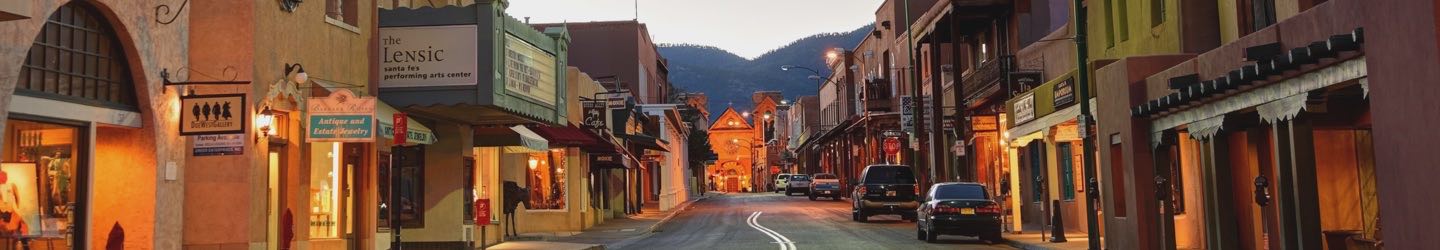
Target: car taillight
(942, 209)
(988, 209)
(861, 190)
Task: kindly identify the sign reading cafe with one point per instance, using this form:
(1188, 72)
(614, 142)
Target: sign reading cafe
(428, 56)
(341, 117)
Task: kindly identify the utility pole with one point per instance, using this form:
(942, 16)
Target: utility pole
(1083, 77)
(918, 153)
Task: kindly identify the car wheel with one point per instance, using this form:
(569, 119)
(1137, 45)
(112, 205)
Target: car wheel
(812, 197)
(862, 217)
(910, 218)
(854, 216)
(931, 236)
(993, 238)
(919, 232)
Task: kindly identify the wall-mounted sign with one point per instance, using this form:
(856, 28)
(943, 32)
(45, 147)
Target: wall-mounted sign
(1024, 81)
(529, 71)
(595, 114)
(1064, 93)
(907, 113)
(341, 117)
(1025, 108)
(212, 114)
(428, 56)
(984, 123)
(213, 145)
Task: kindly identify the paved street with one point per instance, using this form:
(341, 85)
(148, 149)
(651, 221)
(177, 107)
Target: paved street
(724, 222)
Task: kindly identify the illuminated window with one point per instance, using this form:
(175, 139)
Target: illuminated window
(40, 164)
(546, 179)
(329, 185)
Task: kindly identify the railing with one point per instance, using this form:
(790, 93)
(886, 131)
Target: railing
(877, 95)
(989, 73)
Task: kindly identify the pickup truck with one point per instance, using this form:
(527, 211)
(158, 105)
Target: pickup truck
(825, 185)
(798, 183)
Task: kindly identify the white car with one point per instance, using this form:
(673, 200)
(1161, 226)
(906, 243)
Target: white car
(799, 183)
(780, 181)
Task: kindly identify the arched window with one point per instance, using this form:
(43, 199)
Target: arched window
(78, 58)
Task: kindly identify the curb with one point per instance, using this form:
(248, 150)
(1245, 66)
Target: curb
(681, 208)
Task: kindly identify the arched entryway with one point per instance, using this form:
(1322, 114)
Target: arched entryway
(79, 165)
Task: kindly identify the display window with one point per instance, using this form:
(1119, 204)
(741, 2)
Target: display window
(485, 174)
(38, 179)
(330, 181)
(546, 179)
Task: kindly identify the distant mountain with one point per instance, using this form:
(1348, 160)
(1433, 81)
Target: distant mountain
(726, 77)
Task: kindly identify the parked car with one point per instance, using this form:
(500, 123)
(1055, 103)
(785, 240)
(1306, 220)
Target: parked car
(780, 181)
(798, 183)
(956, 208)
(825, 185)
(884, 189)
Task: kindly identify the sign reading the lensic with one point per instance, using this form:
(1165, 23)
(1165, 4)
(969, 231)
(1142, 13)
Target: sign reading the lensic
(1025, 108)
(212, 114)
(529, 71)
(428, 56)
(341, 117)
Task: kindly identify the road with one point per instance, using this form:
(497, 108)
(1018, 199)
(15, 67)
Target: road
(724, 222)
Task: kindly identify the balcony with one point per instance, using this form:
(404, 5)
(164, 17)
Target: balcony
(976, 82)
(877, 95)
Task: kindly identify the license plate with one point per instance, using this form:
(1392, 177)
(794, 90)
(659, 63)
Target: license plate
(825, 192)
(967, 211)
(890, 193)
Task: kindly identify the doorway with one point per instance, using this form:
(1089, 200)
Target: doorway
(275, 194)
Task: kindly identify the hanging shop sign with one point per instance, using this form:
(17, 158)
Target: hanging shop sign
(402, 125)
(482, 210)
(595, 114)
(1023, 81)
(341, 117)
(212, 114)
(1024, 108)
(529, 71)
(214, 145)
(907, 113)
(426, 56)
(1064, 93)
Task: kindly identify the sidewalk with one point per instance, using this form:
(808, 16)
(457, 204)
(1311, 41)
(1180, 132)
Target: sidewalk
(1033, 241)
(608, 233)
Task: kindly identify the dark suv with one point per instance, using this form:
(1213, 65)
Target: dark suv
(885, 189)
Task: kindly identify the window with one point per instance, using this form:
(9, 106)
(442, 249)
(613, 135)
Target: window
(1117, 179)
(40, 175)
(1109, 23)
(408, 166)
(1124, 23)
(1066, 163)
(77, 57)
(326, 190)
(342, 10)
(1177, 182)
(1255, 15)
(468, 181)
(959, 191)
(546, 180)
(1157, 12)
(1036, 153)
(487, 170)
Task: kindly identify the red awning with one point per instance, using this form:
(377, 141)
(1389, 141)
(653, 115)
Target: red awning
(572, 136)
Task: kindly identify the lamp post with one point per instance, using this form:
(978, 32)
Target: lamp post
(1088, 144)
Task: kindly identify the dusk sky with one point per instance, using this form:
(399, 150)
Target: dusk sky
(745, 27)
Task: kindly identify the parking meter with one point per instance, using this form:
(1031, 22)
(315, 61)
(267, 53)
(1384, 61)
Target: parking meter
(1093, 186)
(1162, 188)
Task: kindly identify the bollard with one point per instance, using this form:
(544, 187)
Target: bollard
(1057, 230)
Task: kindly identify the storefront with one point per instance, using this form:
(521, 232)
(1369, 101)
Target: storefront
(1279, 147)
(1048, 153)
(480, 91)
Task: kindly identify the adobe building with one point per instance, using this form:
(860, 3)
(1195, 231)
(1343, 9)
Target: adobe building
(732, 139)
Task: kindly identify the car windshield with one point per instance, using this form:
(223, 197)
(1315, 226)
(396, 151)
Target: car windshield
(960, 192)
(889, 175)
(825, 176)
(799, 178)
(781, 177)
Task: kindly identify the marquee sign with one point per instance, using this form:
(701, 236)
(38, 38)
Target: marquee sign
(529, 71)
(212, 114)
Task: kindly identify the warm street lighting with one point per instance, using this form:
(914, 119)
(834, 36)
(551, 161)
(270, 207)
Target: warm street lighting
(534, 163)
(265, 121)
(832, 55)
(767, 116)
(746, 114)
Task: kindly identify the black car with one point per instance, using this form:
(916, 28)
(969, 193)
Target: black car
(957, 208)
(885, 189)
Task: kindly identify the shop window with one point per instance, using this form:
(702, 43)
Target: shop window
(1037, 169)
(77, 57)
(1117, 179)
(1066, 163)
(1255, 15)
(1157, 12)
(39, 178)
(407, 165)
(486, 170)
(342, 10)
(546, 180)
(1177, 180)
(330, 185)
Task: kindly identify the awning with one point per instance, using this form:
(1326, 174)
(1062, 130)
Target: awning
(647, 142)
(415, 133)
(517, 139)
(564, 136)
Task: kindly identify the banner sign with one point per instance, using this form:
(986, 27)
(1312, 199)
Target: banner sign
(428, 56)
(907, 113)
(1025, 108)
(1064, 93)
(482, 211)
(529, 71)
(213, 145)
(402, 125)
(340, 117)
(212, 114)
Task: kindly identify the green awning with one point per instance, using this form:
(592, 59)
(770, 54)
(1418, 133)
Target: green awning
(415, 133)
(517, 139)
